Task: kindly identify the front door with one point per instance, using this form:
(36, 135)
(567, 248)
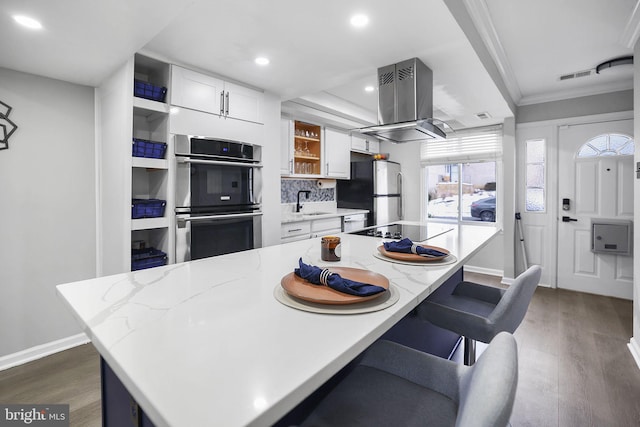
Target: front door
(596, 176)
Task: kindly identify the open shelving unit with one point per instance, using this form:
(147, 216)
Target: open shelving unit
(150, 176)
(307, 140)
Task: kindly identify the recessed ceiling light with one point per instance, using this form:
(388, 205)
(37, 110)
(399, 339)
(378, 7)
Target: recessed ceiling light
(369, 88)
(25, 21)
(261, 60)
(359, 20)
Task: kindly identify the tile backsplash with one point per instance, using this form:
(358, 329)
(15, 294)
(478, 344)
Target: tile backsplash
(289, 191)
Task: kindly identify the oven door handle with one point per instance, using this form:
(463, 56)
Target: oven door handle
(183, 220)
(218, 163)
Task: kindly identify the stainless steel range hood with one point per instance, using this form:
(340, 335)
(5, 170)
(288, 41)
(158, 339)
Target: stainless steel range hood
(405, 103)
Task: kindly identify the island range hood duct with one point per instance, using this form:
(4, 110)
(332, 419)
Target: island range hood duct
(405, 104)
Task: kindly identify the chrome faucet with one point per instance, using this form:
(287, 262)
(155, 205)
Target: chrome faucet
(306, 193)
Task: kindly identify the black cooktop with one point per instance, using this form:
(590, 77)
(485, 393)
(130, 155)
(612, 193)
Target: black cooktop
(417, 233)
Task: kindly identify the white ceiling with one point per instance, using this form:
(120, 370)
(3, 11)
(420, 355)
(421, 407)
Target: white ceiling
(314, 50)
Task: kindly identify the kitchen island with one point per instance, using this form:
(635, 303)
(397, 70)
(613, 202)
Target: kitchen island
(206, 343)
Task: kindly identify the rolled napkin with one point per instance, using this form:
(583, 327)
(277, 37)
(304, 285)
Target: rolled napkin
(408, 247)
(319, 276)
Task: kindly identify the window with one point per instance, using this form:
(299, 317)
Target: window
(461, 175)
(607, 145)
(535, 179)
(470, 198)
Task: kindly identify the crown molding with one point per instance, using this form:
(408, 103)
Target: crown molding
(479, 13)
(631, 31)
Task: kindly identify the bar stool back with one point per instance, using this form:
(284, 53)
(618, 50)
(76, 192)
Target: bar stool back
(394, 385)
(480, 312)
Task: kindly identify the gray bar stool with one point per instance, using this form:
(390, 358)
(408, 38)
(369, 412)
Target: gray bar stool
(480, 312)
(394, 385)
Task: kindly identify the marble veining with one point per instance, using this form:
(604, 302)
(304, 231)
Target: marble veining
(206, 343)
(289, 191)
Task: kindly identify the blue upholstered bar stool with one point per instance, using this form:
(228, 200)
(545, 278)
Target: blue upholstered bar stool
(394, 385)
(480, 312)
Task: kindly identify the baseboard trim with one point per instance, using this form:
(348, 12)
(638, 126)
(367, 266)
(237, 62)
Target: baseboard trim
(634, 348)
(40, 351)
(482, 270)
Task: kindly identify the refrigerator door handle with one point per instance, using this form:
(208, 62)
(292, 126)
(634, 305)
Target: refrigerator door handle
(399, 178)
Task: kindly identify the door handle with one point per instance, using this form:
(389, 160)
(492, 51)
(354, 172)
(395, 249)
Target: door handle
(568, 219)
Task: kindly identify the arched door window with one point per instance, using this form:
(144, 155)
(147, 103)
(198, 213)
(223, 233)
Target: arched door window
(612, 144)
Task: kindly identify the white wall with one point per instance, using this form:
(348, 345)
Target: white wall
(271, 171)
(634, 344)
(47, 220)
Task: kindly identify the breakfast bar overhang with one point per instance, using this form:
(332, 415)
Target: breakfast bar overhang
(207, 343)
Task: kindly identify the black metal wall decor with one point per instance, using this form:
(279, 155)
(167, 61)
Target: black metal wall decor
(7, 127)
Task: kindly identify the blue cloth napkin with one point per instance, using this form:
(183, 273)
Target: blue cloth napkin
(408, 247)
(319, 276)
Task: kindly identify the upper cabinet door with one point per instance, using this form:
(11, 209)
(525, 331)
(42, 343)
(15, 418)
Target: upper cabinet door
(286, 147)
(201, 92)
(196, 91)
(337, 147)
(243, 103)
(364, 144)
(358, 143)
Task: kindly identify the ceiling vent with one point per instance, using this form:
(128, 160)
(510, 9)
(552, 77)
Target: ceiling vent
(576, 75)
(483, 116)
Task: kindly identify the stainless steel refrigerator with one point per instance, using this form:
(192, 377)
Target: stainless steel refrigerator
(375, 185)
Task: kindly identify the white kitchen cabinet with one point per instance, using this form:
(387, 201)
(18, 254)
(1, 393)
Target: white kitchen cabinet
(201, 92)
(301, 149)
(337, 146)
(286, 147)
(294, 231)
(326, 227)
(311, 151)
(302, 230)
(243, 103)
(364, 144)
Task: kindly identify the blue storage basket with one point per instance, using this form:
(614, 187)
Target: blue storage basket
(148, 91)
(147, 208)
(149, 149)
(147, 258)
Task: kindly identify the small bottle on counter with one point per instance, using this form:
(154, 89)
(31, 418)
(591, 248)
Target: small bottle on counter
(330, 248)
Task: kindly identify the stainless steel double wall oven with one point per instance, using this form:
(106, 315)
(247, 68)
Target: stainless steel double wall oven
(218, 197)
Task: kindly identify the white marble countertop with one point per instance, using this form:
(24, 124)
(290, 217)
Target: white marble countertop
(297, 217)
(206, 343)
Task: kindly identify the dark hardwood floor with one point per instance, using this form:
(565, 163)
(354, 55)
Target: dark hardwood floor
(575, 367)
(70, 377)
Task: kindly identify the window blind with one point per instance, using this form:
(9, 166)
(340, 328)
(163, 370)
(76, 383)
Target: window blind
(466, 145)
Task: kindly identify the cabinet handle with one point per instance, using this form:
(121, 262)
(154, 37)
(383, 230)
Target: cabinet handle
(226, 109)
(399, 177)
(295, 229)
(291, 166)
(222, 103)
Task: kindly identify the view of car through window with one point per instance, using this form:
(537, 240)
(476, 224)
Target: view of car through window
(472, 200)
